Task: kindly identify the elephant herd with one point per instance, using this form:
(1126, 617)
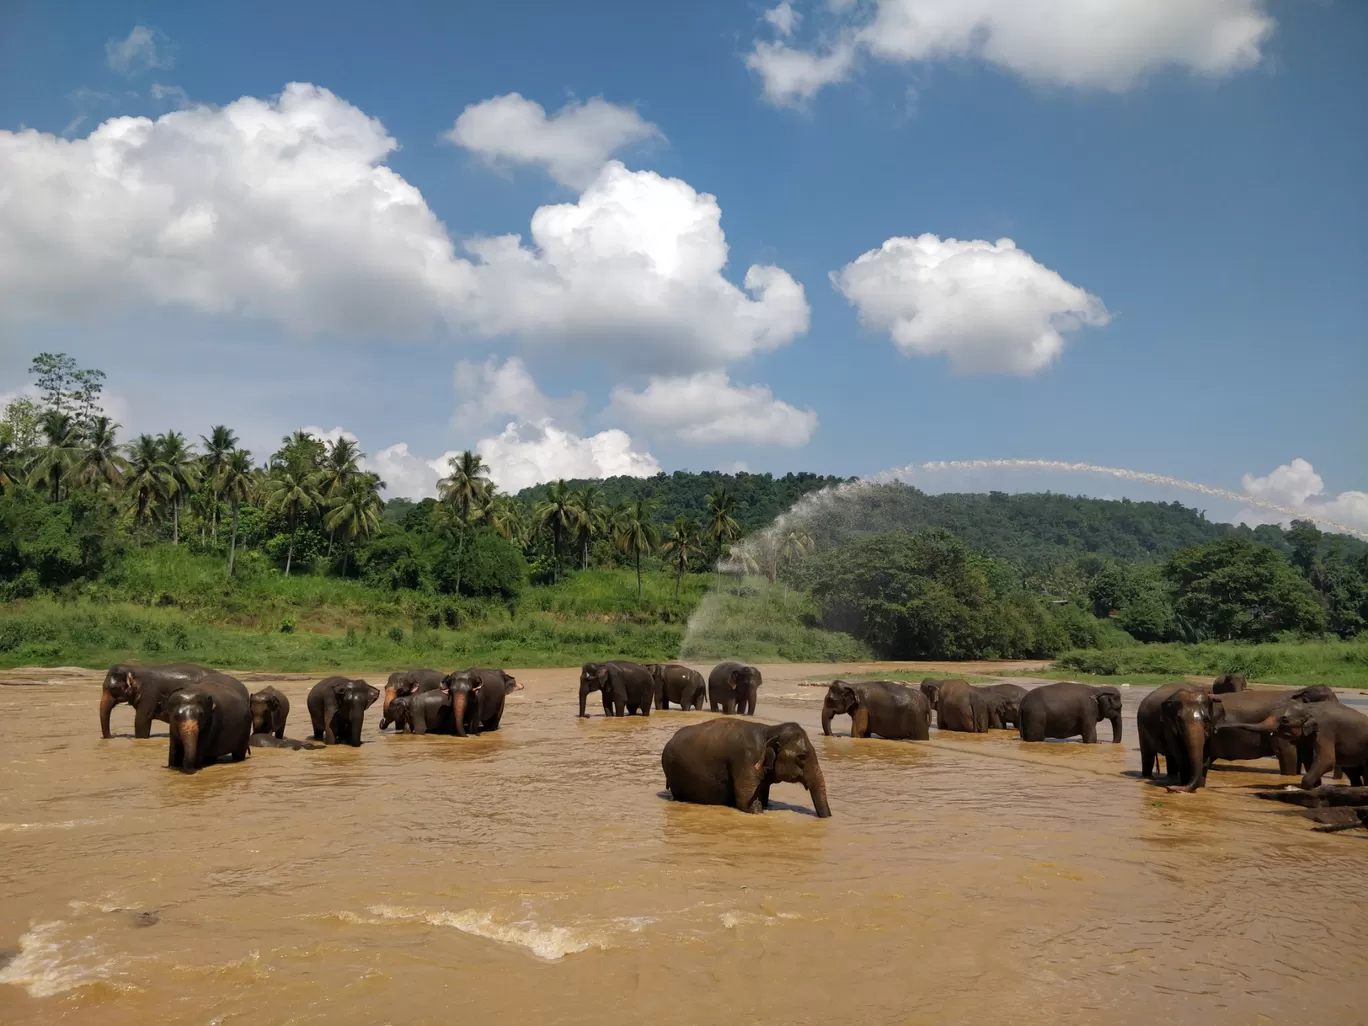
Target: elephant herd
(630, 689)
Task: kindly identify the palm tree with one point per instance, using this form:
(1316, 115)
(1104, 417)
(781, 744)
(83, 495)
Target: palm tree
(356, 511)
(181, 474)
(637, 534)
(507, 516)
(100, 464)
(557, 511)
(722, 528)
(793, 544)
(57, 453)
(591, 518)
(146, 478)
(341, 464)
(467, 482)
(219, 445)
(11, 458)
(293, 489)
(681, 542)
(237, 485)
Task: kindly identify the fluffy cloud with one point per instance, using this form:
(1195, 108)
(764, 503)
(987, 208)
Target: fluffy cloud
(707, 409)
(784, 18)
(407, 475)
(1297, 485)
(987, 306)
(143, 49)
(489, 390)
(284, 210)
(572, 145)
(1066, 42)
(524, 454)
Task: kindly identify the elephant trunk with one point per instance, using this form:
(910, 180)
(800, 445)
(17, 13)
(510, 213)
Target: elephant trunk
(1193, 739)
(827, 715)
(583, 696)
(1116, 729)
(107, 704)
(391, 693)
(189, 739)
(356, 714)
(458, 711)
(816, 786)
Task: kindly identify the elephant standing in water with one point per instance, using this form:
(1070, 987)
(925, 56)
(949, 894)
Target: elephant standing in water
(1068, 709)
(1189, 717)
(627, 687)
(337, 707)
(962, 707)
(209, 718)
(734, 762)
(1336, 736)
(407, 682)
(732, 688)
(270, 710)
(145, 688)
(424, 712)
(1004, 704)
(477, 699)
(678, 684)
(882, 707)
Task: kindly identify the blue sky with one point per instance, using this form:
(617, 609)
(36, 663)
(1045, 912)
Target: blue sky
(1184, 191)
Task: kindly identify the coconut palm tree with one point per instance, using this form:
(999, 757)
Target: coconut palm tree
(356, 511)
(681, 542)
(591, 518)
(341, 464)
(219, 444)
(793, 544)
(100, 464)
(557, 512)
(182, 474)
(468, 481)
(636, 533)
(58, 452)
(292, 488)
(11, 463)
(146, 477)
(721, 527)
(508, 517)
(237, 484)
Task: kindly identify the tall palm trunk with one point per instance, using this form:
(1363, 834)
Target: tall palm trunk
(289, 555)
(679, 576)
(638, 569)
(232, 545)
(175, 521)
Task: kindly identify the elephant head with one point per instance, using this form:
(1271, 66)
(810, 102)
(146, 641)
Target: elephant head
(1227, 683)
(931, 689)
(790, 758)
(744, 679)
(400, 683)
(1315, 693)
(464, 689)
(191, 715)
(1109, 708)
(353, 698)
(120, 685)
(1190, 718)
(1296, 722)
(265, 712)
(511, 683)
(399, 713)
(841, 699)
(593, 677)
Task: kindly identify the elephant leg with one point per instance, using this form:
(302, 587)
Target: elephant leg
(142, 720)
(619, 706)
(746, 788)
(859, 723)
(1148, 757)
(764, 795)
(1089, 731)
(729, 707)
(1322, 763)
(1286, 751)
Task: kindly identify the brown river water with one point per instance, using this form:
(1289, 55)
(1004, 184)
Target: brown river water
(540, 873)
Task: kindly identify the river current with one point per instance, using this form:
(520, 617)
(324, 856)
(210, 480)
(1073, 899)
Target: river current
(540, 874)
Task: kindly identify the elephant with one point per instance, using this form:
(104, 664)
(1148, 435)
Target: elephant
(477, 699)
(627, 687)
(144, 688)
(1189, 718)
(270, 710)
(732, 688)
(678, 684)
(1004, 704)
(1337, 735)
(1149, 725)
(1263, 706)
(930, 687)
(962, 707)
(1228, 683)
(406, 682)
(337, 707)
(727, 761)
(209, 718)
(268, 741)
(882, 707)
(1067, 708)
(424, 712)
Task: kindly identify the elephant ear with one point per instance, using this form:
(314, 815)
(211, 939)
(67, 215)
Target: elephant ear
(772, 746)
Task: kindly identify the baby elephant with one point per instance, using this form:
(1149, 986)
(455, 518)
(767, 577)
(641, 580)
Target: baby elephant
(733, 762)
(270, 710)
(882, 707)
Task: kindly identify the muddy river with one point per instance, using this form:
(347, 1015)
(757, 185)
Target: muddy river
(541, 874)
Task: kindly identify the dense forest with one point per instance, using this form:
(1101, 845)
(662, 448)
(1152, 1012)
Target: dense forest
(906, 573)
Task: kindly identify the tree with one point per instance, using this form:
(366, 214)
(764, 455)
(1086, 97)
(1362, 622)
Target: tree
(794, 545)
(100, 464)
(11, 462)
(681, 542)
(181, 474)
(636, 533)
(467, 482)
(591, 519)
(236, 484)
(356, 511)
(1237, 590)
(146, 477)
(57, 454)
(340, 466)
(20, 422)
(293, 489)
(722, 527)
(219, 445)
(56, 380)
(508, 518)
(559, 514)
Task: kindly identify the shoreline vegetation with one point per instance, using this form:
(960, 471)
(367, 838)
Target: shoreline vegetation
(171, 549)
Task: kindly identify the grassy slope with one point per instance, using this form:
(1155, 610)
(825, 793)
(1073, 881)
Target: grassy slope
(1339, 664)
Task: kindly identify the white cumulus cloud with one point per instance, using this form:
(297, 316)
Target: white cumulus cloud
(572, 145)
(707, 409)
(490, 390)
(407, 475)
(528, 453)
(284, 210)
(143, 49)
(791, 75)
(987, 306)
(1298, 486)
(1082, 43)
(784, 18)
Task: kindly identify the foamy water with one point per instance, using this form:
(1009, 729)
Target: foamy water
(51, 961)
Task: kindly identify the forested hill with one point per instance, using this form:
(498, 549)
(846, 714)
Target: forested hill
(1031, 529)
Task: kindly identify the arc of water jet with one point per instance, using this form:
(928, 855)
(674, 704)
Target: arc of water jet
(1126, 475)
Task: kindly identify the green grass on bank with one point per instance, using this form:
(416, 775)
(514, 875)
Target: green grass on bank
(1336, 663)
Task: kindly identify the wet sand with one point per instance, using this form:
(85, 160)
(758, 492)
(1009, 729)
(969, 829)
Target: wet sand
(542, 873)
